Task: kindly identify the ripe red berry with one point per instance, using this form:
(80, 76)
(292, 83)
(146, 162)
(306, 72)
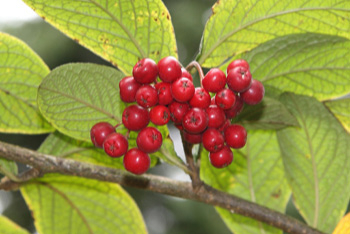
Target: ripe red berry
(235, 136)
(186, 74)
(159, 115)
(192, 138)
(182, 89)
(135, 117)
(225, 99)
(201, 98)
(99, 132)
(239, 79)
(169, 69)
(145, 71)
(213, 140)
(136, 161)
(237, 63)
(149, 140)
(115, 145)
(164, 93)
(254, 94)
(195, 120)
(146, 96)
(128, 87)
(177, 111)
(236, 109)
(216, 116)
(214, 80)
(221, 158)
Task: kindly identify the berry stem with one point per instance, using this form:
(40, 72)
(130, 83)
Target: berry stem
(117, 125)
(199, 69)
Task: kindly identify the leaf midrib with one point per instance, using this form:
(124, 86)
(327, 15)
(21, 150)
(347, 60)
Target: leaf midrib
(258, 20)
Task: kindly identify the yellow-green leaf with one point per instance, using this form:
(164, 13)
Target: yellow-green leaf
(341, 109)
(239, 26)
(21, 71)
(316, 159)
(343, 226)
(66, 204)
(121, 32)
(9, 227)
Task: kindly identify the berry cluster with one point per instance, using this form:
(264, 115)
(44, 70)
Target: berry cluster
(163, 92)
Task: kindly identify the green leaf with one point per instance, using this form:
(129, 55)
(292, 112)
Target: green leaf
(269, 114)
(309, 64)
(8, 167)
(9, 227)
(236, 27)
(21, 71)
(66, 204)
(341, 109)
(316, 159)
(122, 32)
(74, 97)
(256, 174)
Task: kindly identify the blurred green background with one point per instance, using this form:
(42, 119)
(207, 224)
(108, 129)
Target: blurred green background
(163, 214)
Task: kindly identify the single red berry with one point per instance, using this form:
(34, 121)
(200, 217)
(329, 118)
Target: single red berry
(169, 69)
(213, 140)
(254, 94)
(136, 161)
(214, 80)
(182, 89)
(221, 158)
(135, 117)
(237, 63)
(115, 145)
(195, 120)
(128, 87)
(146, 96)
(201, 98)
(225, 99)
(164, 93)
(186, 74)
(145, 71)
(216, 116)
(177, 111)
(99, 132)
(192, 138)
(235, 136)
(149, 140)
(239, 79)
(236, 109)
(159, 115)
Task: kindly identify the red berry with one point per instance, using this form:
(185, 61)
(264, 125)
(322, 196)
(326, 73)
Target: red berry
(201, 98)
(169, 69)
(195, 120)
(225, 99)
(99, 132)
(186, 74)
(192, 138)
(226, 124)
(221, 158)
(239, 79)
(182, 89)
(213, 140)
(135, 117)
(149, 140)
(115, 145)
(236, 109)
(164, 93)
(146, 96)
(237, 63)
(177, 111)
(145, 71)
(214, 80)
(254, 94)
(128, 87)
(216, 116)
(159, 115)
(235, 136)
(136, 161)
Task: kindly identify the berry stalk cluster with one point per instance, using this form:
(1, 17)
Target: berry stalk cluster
(164, 91)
